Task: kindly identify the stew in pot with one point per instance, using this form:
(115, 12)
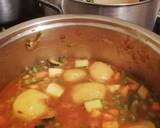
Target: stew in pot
(77, 93)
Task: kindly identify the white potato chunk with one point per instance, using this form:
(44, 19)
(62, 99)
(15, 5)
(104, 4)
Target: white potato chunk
(88, 91)
(143, 124)
(79, 63)
(113, 88)
(93, 105)
(74, 75)
(54, 90)
(53, 72)
(30, 104)
(100, 71)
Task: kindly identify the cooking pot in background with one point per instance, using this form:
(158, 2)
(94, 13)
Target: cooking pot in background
(143, 13)
(51, 7)
(14, 11)
(125, 45)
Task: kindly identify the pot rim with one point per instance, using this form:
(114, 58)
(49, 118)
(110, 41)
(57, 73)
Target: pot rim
(39, 22)
(115, 5)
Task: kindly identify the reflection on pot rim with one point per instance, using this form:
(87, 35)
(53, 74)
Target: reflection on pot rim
(116, 5)
(44, 23)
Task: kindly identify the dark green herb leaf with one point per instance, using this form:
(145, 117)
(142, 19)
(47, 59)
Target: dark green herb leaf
(61, 59)
(48, 119)
(131, 98)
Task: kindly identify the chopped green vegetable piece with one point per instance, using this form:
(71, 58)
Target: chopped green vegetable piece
(122, 118)
(61, 59)
(39, 126)
(131, 98)
(125, 107)
(34, 70)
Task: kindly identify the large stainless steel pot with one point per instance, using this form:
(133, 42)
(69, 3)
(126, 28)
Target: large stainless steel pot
(127, 46)
(143, 13)
(14, 11)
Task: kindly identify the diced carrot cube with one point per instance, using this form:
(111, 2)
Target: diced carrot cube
(96, 113)
(155, 106)
(124, 90)
(133, 87)
(113, 111)
(116, 77)
(107, 116)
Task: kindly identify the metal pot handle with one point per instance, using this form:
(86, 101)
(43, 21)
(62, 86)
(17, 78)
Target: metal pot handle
(51, 5)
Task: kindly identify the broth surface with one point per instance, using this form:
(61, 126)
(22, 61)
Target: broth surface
(77, 93)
